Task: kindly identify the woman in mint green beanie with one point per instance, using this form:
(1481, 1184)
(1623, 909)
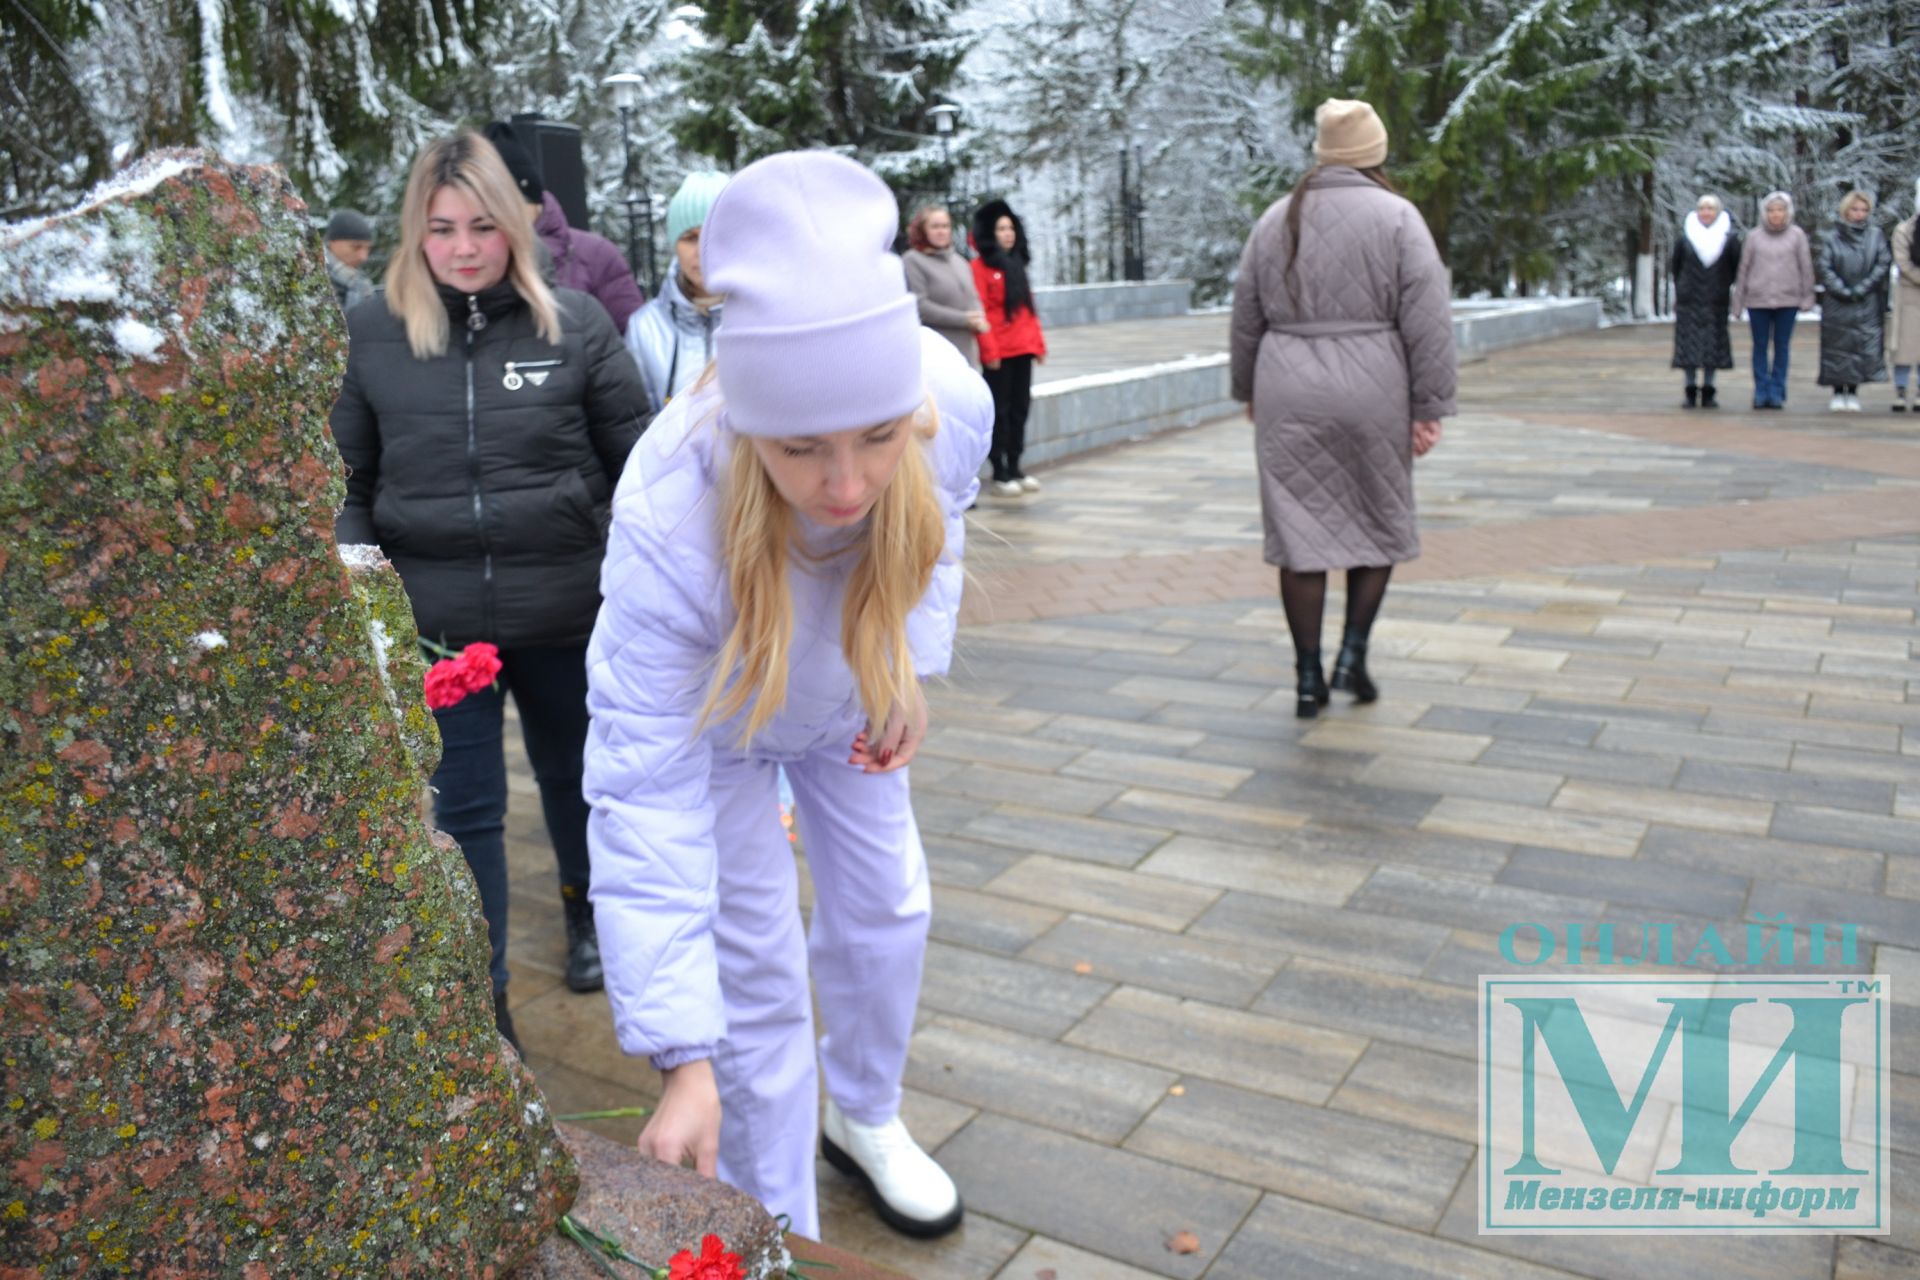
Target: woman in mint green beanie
(672, 336)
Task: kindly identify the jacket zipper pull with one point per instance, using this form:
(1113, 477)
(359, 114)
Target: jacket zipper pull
(476, 318)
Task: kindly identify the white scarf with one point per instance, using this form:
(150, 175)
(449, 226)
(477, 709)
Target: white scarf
(1710, 241)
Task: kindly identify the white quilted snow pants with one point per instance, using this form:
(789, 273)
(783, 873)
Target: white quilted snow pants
(867, 944)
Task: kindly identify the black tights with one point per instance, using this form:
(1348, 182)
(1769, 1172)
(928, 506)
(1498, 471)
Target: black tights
(1304, 596)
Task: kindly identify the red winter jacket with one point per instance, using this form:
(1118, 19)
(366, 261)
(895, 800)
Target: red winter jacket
(1019, 336)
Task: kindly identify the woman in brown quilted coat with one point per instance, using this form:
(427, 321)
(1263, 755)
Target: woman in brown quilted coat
(1343, 350)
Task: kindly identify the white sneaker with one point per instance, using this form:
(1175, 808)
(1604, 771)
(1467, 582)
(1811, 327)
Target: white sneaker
(911, 1193)
(1838, 404)
(1007, 488)
(1853, 403)
(1029, 485)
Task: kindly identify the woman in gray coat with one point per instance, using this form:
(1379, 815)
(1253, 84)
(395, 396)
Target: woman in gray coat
(1853, 263)
(1343, 347)
(942, 281)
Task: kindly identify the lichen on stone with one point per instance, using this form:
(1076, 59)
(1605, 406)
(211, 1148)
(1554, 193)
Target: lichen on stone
(249, 1026)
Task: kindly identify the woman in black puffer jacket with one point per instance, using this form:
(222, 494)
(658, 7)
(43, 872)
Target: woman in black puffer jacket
(484, 421)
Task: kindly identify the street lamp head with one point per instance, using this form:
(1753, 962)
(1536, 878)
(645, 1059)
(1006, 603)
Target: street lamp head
(626, 88)
(943, 114)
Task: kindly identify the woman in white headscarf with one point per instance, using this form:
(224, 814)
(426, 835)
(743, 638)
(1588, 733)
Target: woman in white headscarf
(1706, 256)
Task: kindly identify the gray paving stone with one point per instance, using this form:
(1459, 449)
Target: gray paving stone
(1115, 1203)
(1001, 666)
(1099, 731)
(1149, 900)
(966, 863)
(1201, 816)
(942, 812)
(1117, 844)
(1825, 733)
(1184, 665)
(1029, 1078)
(1881, 919)
(1064, 701)
(987, 922)
(1695, 746)
(1785, 786)
(1565, 731)
(1007, 992)
(1841, 763)
(1260, 726)
(1201, 693)
(1436, 897)
(1288, 1238)
(1041, 1256)
(1169, 962)
(1166, 773)
(1596, 765)
(1479, 780)
(1281, 869)
(1379, 1170)
(1345, 936)
(1389, 1007)
(1843, 827)
(1335, 798)
(1652, 717)
(980, 1247)
(1360, 842)
(1416, 1089)
(983, 787)
(1004, 749)
(1632, 882)
(1770, 857)
(1264, 1054)
(1862, 1259)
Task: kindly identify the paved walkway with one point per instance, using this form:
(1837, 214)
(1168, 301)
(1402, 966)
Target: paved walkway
(1199, 967)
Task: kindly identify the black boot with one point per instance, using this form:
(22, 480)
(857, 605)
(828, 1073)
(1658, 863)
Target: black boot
(1350, 671)
(1708, 399)
(1312, 690)
(1693, 397)
(583, 943)
(503, 1022)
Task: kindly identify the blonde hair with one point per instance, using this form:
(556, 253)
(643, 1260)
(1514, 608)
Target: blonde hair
(904, 538)
(1855, 197)
(467, 161)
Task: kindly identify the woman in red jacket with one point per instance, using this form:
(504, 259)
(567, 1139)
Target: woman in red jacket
(1012, 343)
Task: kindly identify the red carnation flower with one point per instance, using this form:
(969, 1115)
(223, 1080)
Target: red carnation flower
(714, 1263)
(452, 679)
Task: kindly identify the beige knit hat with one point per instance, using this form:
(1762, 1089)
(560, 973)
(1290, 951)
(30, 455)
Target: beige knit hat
(1350, 134)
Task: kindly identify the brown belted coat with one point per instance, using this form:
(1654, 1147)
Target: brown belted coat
(1337, 379)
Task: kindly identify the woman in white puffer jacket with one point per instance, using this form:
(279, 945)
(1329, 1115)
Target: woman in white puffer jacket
(783, 568)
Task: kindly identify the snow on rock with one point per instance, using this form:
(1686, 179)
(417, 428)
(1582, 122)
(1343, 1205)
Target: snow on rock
(141, 341)
(361, 555)
(209, 641)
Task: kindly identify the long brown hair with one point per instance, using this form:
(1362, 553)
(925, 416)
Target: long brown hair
(1377, 174)
(467, 161)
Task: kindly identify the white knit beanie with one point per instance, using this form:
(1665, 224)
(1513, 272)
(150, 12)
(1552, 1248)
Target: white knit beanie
(821, 333)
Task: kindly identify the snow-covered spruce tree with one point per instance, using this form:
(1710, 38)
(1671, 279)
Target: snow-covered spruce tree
(1867, 74)
(1062, 87)
(857, 75)
(331, 89)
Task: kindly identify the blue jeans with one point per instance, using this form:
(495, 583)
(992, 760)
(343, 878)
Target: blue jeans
(1771, 325)
(549, 688)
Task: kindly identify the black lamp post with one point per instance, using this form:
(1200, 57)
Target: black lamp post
(1133, 213)
(637, 197)
(943, 114)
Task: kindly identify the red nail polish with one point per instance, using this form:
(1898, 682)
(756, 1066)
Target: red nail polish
(886, 758)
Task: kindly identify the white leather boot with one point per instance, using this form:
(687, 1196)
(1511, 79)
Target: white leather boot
(911, 1193)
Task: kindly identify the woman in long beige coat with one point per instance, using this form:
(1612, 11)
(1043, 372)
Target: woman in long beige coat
(1903, 336)
(1343, 347)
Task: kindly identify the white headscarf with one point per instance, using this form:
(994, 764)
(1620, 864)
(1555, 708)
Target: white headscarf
(1709, 241)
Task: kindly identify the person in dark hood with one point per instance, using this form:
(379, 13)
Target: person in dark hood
(580, 259)
(1013, 342)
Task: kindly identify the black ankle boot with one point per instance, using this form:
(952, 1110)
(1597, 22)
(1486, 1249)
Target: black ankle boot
(583, 942)
(1709, 397)
(1312, 690)
(503, 1022)
(1693, 397)
(1350, 672)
